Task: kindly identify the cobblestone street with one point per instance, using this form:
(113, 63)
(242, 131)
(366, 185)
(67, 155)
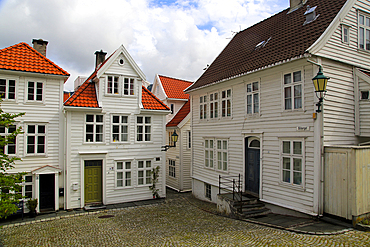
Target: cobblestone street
(175, 222)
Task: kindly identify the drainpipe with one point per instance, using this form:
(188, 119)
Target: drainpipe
(318, 191)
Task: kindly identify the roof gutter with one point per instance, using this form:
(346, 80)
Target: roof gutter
(249, 72)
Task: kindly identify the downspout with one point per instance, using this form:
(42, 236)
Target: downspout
(318, 200)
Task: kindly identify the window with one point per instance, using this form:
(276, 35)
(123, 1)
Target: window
(222, 155)
(123, 174)
(144, 173)
(253, 98)
(112, 85)
(143, 128)
(94, 128)
(293, 91)
(208, 191)
(128, 86)
(35, 91)
(345, 34)
(213, 105)
(119, 128)
(171, 168)
(36, 139)
(189, 139)
(364, 95)
(28, 186)
(292, 161)
(7, 89)
(226, 103)
(172, 108)
(364, 32)
(170, 142)
(203, 107)
(208, 153)
(11, 147)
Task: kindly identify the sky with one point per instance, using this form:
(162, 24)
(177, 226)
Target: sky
(166, 37)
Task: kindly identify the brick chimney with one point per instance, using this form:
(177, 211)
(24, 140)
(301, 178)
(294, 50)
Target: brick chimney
(100, 57)
(40, 45)
(296, 4)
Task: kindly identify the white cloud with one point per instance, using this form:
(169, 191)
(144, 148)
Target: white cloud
(178, 39)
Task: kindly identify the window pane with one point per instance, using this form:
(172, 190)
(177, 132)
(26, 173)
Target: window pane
(287, 97)
(148, 163)
(287, 78)
(147, 120)
(255, 103)
(255, 86)
(362, 36)
(89, 118)
(119, 165)
(119, 183)
(297, 96)
(297, 178)
(286, 163)
(28, 179)
(115, 119)
(39, 91)
(219, 144)
(31, 90)
(297, 147)
(286, 147)
(368, 21)
(41, 129)
(99, 118)
(362, 20)
(297, 164)
(225, 145)
(2, 87)
(115, 129)
(31, 129)
(367, 39)
(139, 120)
(249, 103)
(128, 165)
(124, 119)
(297, 76)
(141, 164)
(119, 175)
(286, 176)
(2, 129)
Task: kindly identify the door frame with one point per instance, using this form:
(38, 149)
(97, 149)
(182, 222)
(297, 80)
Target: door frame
(84, 158)
(257, 136)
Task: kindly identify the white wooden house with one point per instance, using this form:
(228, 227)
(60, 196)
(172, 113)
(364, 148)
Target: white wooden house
(31, 83)
(178, 159)
(114, 131)
(253, 109)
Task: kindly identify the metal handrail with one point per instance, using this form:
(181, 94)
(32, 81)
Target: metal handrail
(231, 184)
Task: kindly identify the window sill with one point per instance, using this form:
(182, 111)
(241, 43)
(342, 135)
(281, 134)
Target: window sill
(94, 143)
(36, 156)
(124, 187)
(34, 102)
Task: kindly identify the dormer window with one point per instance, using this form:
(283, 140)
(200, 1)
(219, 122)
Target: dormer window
(310, 14)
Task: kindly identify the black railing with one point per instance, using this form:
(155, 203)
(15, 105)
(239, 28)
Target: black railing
(231, 184)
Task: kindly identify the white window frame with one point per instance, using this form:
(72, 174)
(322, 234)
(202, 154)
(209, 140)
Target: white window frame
(214, 105)
(35, 93)
(147, 172)
(113, 85)
(6, 133)
(252, 93)
(172, 168)
(226, 96)
(28, 183)
(120, 125)
(222, 154)
(124, 171)
(291, 156)
(345, 37)
(209, 153)
(94, 123)
(144, 132)
(5, 95)
(292, 85)
(130, 88)
(203, 102)
(366, 31)
(36, 141)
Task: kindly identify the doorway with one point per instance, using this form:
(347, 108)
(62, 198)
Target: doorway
(93, 181)
(252, 165)
(47, 192)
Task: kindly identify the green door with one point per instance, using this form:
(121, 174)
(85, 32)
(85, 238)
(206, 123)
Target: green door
(93, 181)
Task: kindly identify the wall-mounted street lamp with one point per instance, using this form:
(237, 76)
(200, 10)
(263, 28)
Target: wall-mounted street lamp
(320, 81)
(174, 138)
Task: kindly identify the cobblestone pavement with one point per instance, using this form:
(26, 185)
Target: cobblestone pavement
(176, 222)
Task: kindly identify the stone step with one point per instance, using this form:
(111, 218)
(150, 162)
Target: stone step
(255, 213)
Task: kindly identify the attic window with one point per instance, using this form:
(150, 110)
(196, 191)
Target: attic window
(364, 95)
(121, 61)
(310, 14)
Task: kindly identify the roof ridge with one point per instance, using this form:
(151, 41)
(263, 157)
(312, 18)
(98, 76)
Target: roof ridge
(175, 78)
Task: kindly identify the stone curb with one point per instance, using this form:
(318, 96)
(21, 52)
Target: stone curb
(362, 227)
(279, 227)
(72, 216)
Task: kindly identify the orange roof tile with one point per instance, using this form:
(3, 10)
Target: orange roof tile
(85, 95)
(151, 102)
(174, 88)
(22, 57)
(181, 114)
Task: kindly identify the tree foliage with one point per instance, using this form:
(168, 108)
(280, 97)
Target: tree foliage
(10, 183)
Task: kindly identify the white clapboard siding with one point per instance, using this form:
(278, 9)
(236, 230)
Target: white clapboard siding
(186, 158)
(273, 122)
(347, 53)
(173, 154)
(48, 112)
(339, 105)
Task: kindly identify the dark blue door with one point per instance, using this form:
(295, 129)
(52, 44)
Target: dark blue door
(252, 181)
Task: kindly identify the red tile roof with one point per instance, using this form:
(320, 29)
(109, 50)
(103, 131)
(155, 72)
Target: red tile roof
(289, 39)
(22, 57)
(181, 114)
(151, 102)
(174, 88)
(85, 95)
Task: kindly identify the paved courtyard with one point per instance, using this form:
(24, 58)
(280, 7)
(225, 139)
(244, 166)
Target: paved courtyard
(174, 222)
